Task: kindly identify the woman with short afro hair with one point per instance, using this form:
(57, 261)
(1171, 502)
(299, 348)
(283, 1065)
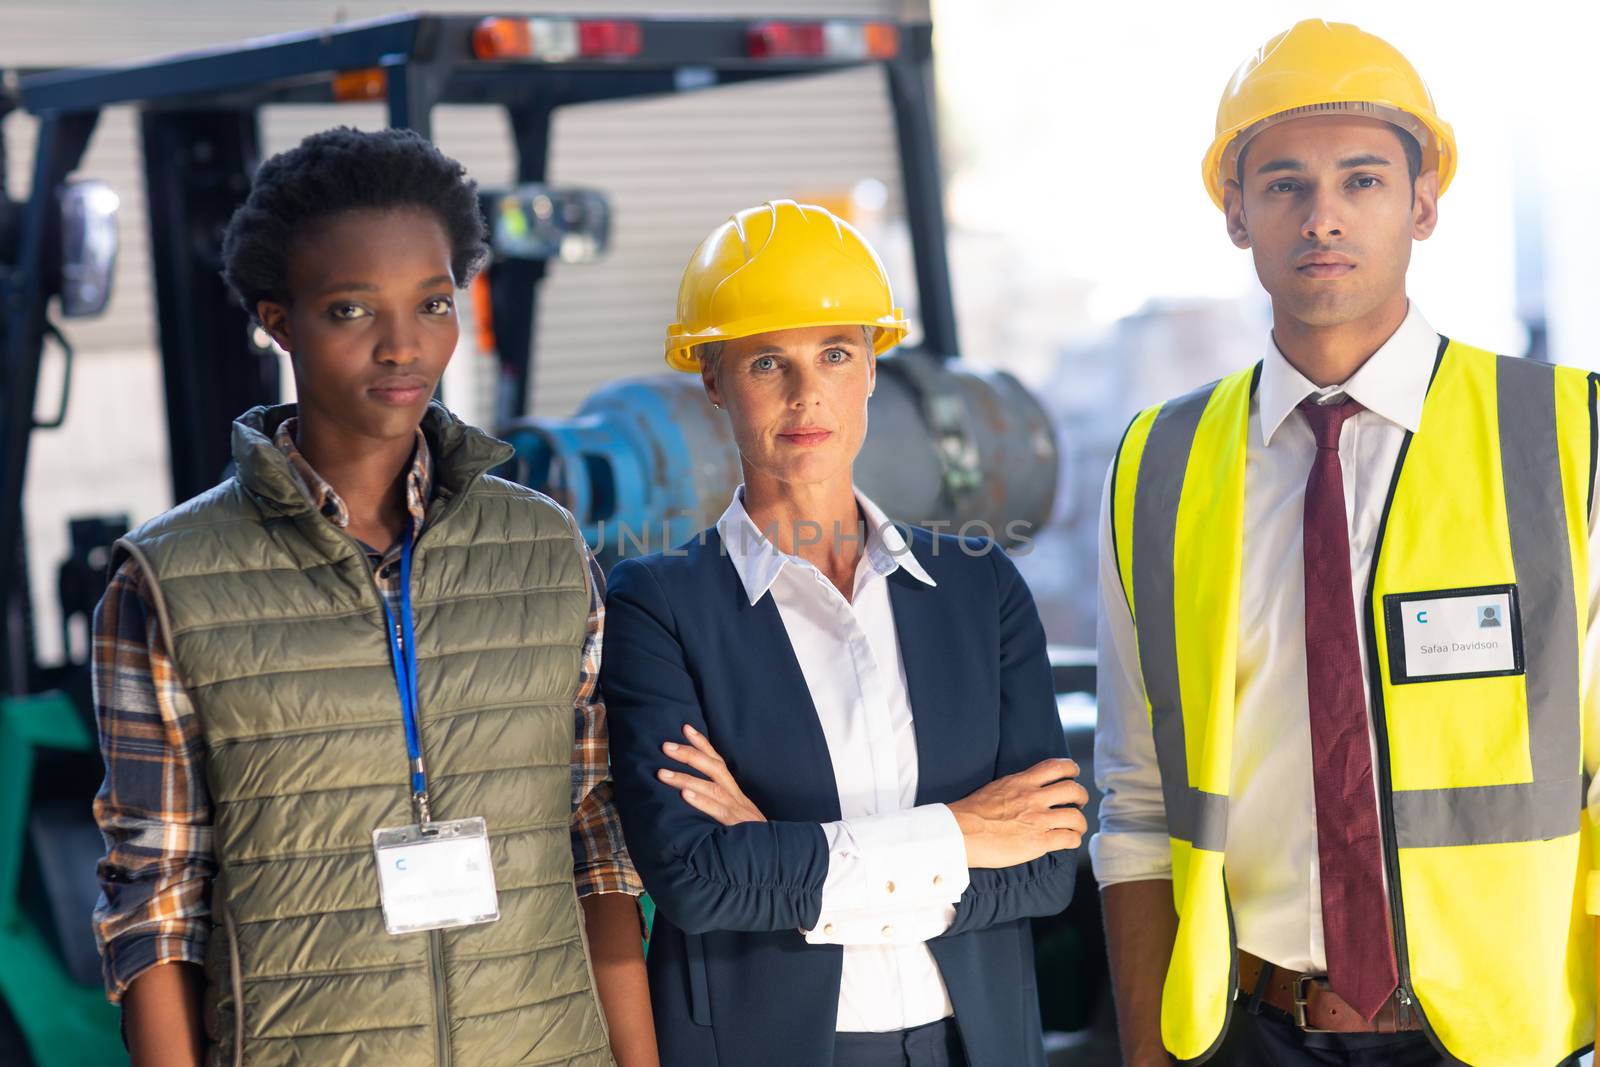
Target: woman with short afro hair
(339, 170)
(357, 803)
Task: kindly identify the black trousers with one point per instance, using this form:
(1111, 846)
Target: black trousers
(934, 1045)
(1271, 1039)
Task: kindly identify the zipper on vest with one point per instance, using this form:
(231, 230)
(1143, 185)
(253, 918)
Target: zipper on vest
(441, 1012)
(1391, 861)
(441, 1003)
(1233, 974)
(1380, 723)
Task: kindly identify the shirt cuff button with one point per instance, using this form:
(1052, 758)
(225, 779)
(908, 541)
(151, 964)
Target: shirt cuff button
(828, 930)
(938, 880)
(888, 931)
(889, 888)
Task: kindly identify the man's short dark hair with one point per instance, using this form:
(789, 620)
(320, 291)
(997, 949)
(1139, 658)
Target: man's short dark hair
(1408, 143)
(341, 170)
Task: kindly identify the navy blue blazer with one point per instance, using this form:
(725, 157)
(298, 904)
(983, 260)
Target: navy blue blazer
(732, 980)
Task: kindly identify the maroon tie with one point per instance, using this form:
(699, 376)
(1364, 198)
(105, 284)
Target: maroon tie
(1355, 912)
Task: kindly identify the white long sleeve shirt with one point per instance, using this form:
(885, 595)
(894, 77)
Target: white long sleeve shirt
(895, 869)
(1270, 852)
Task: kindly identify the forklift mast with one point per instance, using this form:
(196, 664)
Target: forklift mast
(199, 123)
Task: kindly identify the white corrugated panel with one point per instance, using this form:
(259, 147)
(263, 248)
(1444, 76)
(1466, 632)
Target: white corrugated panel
(674, 167)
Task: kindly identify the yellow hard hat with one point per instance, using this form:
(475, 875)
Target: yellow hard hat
(781, 266)
(1320, 67)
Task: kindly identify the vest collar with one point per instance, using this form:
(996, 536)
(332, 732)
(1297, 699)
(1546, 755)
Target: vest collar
(461, 454)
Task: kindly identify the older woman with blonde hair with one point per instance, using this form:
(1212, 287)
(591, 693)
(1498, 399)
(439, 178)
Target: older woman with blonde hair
(835, 743)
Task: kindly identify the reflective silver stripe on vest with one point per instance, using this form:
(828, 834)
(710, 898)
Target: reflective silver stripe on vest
(1549, 806)
(1193, 816)
(1487, 814)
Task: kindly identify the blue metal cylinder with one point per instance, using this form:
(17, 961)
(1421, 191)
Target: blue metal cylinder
(646, 463)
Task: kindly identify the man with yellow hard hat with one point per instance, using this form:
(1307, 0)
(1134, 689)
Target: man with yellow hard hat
(1348, 707)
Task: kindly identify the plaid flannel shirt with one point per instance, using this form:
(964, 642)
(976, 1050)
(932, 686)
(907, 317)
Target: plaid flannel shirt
(155, 811)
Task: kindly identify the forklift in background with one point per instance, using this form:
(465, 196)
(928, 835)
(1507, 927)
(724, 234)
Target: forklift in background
(949, 443)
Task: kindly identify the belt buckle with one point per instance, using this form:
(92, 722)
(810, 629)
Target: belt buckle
(1302, 987)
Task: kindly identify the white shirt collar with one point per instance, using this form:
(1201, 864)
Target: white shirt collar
(759, 562)
(1393, 383)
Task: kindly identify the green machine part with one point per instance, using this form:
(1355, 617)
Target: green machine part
(64, 1023)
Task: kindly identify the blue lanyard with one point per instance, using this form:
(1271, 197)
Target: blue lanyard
(403, 654)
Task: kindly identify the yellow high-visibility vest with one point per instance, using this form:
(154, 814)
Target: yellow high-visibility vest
(1480, 775)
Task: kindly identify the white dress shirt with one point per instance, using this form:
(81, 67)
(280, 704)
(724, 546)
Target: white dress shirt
(895, 870)
(1270, 852)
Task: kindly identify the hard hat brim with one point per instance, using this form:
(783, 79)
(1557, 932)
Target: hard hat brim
(891, 330)
(1440, 154)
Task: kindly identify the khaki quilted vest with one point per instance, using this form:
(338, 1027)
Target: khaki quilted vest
(277, 632)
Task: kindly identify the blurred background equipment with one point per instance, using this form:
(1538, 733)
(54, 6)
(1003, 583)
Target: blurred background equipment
(537, 222)
(644, 458)
(1084, 260)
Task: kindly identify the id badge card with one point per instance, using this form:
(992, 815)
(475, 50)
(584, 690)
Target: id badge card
(435, 876)
(1450, 634)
